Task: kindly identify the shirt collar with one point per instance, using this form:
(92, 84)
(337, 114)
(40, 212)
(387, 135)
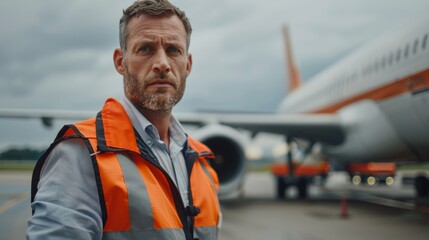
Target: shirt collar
(146, 129)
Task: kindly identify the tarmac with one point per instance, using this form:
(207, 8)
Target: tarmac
(337, 211)
(333, 212)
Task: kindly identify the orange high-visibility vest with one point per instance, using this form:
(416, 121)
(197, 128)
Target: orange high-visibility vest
(138, 198)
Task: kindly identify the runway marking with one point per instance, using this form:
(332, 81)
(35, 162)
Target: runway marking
(391, 202)
(398, 204)
(9, 204)
(370, 197)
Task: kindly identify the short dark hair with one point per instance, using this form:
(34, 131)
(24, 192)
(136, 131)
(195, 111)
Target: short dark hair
(153, 8)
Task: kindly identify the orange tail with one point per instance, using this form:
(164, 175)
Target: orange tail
(294, 80)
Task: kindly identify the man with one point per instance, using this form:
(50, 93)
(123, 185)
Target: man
(132, 172)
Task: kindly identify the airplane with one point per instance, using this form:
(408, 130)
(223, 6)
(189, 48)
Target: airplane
(370, 106)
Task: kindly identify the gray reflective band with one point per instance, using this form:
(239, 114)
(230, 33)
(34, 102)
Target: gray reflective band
(141, 217)
(207, 233)
(166, 233)
(208, 175)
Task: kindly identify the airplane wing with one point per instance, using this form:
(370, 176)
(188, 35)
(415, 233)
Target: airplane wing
(313, 127)
(231, 161)
(325, 128)
(46, 116)
(38, 113)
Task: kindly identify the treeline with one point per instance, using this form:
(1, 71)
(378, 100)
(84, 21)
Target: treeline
(21, 154)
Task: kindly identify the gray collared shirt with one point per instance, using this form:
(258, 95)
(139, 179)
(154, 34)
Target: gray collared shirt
(170, 158)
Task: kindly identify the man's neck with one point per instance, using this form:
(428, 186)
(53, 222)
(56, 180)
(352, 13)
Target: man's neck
(161, 121)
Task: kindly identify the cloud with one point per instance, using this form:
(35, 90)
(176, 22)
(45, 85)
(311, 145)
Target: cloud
(58, 54)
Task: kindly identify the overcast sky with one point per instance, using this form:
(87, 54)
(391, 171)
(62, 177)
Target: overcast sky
(57, 54)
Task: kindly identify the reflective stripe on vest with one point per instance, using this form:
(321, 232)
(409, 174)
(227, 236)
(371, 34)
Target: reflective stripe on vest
(172, 234)
(141, 208)
(137, 195)
(202, 232)
(142, 225)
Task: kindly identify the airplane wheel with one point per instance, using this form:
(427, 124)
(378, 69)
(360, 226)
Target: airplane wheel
(281, 187)
(421, 183)
(302, 186)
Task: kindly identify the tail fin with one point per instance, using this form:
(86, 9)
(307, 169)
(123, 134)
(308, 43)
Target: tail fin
(294, 80)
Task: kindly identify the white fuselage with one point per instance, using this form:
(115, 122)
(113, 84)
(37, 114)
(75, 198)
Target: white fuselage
(381, 93)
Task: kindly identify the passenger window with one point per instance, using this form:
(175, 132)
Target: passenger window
(390, 58)
(425, 39)
(406, 51)
(416, 44)
(383, 62)
(398, 55)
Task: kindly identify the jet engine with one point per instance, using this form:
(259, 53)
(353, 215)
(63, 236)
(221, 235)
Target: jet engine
(230, 161)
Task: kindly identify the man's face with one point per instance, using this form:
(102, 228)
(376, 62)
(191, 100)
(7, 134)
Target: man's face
(155, 64)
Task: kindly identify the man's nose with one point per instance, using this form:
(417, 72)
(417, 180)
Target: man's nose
(161, 63)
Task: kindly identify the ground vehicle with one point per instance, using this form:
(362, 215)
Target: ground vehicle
(304, 174)
(300, 176)
(372, 173)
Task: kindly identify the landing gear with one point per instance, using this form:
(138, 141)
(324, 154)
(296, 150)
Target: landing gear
(286, 180)
(281, 187)
(301, 184)
(421, 184)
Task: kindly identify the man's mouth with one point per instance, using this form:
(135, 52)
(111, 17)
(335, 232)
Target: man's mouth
(161, 83)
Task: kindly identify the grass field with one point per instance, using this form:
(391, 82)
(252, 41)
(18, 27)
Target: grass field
(17, 165)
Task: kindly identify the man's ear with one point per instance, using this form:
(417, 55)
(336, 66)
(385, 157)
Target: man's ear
(118, 60)
(189, 64)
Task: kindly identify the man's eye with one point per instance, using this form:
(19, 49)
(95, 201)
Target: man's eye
(173, 50)
(145, 49)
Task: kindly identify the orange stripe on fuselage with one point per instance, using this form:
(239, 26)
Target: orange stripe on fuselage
(408, 84)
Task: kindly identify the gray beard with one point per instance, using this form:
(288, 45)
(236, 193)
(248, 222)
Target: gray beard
(151, 101)
(157, 103)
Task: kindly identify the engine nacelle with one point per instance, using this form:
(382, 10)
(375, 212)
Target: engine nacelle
(230, 160)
